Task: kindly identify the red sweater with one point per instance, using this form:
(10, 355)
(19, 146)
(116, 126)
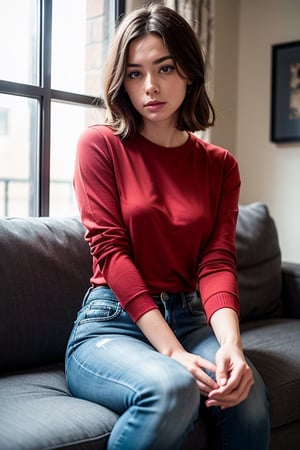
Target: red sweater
(159, 219)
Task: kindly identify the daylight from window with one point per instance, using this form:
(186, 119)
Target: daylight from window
(81, 30)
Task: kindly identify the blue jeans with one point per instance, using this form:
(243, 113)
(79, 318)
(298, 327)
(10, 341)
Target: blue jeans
(110, 362)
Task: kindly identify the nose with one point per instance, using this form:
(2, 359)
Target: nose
(151, 85)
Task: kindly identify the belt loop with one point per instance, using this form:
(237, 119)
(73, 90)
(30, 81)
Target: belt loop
(86, 296)
(183, 300)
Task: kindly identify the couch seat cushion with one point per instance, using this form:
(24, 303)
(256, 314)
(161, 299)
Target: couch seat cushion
(274, 348)
(38, 412)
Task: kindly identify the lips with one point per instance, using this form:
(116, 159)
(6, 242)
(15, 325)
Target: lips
(154, 105)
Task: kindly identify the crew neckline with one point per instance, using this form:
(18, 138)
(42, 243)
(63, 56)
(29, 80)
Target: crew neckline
(154, 145)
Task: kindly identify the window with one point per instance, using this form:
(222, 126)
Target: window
(54, 52)
(3, 121)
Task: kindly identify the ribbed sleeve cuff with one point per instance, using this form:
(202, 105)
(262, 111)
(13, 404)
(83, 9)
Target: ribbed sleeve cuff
(140, 305)
(221, 300)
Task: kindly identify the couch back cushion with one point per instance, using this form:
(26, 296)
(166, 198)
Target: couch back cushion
(259, 263)
(45, 266)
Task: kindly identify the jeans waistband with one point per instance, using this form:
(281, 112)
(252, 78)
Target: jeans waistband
(181, 298)
(164, 298)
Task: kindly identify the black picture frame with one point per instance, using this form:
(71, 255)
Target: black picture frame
(285, 104)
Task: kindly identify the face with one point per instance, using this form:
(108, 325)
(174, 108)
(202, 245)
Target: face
(152, 82)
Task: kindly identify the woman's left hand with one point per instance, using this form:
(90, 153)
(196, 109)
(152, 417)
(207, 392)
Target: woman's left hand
(233, 376)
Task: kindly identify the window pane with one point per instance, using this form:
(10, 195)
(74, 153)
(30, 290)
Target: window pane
(18, 166)
(67, 123)
(19, 40)
(4, 118)
(80, 36)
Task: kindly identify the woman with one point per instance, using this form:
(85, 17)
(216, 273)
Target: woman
(160, 208)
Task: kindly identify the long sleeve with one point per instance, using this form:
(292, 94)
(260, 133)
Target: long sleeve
(158, 219)
(217, 267)
(99, 204)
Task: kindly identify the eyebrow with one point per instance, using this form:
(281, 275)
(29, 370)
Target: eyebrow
(156, 61)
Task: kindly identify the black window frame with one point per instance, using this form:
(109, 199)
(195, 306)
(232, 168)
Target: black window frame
(39, 205)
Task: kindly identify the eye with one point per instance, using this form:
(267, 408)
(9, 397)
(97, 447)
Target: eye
(167, 69)
(134, 74)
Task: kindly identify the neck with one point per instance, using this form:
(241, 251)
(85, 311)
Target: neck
(165, 137)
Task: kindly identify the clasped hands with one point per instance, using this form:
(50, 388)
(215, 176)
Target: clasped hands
(233, 376)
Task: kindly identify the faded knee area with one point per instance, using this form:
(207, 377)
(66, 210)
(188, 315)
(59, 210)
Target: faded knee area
(169, 389)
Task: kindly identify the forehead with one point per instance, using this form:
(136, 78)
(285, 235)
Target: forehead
(148, 46)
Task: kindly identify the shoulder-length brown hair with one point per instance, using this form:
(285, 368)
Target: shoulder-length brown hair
(196, 111)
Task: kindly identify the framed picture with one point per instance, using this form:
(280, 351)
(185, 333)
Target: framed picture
(285, 116)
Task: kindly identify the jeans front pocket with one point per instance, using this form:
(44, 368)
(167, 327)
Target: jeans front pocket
(100, 314)
(100, 310)
(101, 305)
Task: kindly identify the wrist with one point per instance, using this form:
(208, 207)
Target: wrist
(232, 341)
(159, 334)
(226, 326)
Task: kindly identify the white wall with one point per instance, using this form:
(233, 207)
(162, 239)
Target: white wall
(245, 32)
(270, 172)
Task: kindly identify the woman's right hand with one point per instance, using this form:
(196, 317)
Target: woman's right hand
(196, 365)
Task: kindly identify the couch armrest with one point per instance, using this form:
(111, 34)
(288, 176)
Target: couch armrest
(291, 289)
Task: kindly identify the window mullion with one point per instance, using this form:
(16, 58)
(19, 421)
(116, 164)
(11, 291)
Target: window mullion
(119, 9)
(45, 108)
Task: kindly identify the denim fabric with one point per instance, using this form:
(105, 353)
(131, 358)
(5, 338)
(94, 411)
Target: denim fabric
(110, 362)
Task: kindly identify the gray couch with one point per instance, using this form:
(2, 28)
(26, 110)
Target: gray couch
(44, 273)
